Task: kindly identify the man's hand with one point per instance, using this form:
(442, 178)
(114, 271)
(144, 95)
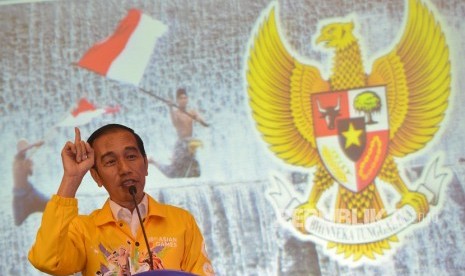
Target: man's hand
(196, 117)
(170, 103)
(38, 143)
(77, 159)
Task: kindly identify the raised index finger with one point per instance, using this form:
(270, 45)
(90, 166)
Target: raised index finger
(77, 143)
(77, 135)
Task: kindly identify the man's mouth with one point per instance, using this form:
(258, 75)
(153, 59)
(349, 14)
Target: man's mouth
(128, 183)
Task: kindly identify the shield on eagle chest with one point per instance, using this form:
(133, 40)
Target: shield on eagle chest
(352, 133)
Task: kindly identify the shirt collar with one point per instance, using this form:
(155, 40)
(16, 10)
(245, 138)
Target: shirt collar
(156, 208)
(121, 213)
(105, 215)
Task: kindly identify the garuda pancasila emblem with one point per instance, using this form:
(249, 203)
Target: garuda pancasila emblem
(327, 124)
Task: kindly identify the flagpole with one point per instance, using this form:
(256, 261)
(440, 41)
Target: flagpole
(158, 98)
(174, 105)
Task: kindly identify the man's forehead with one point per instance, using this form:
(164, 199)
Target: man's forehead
(115, 141)
(112, 151)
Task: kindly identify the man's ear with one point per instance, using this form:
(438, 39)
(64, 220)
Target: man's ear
(146, 166)
(96, 177)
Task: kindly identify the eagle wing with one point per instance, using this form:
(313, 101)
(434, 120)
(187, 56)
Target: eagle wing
(280, 89)
(417, 75)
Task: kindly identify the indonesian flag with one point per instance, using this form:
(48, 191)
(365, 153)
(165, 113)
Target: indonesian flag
(84, 113)
(124, 55)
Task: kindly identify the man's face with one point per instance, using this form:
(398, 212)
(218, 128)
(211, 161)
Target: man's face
(182, 100)
(119, 165)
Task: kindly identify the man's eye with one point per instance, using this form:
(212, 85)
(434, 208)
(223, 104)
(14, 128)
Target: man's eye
(109, 163)
(132, 156)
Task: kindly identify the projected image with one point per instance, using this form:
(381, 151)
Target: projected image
(304, 137)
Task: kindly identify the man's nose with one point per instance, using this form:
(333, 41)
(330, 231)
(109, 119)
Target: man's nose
(123, 167)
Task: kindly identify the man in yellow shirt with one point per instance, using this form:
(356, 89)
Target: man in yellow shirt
(110, 241)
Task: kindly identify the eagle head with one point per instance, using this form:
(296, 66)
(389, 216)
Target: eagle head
(337, 35)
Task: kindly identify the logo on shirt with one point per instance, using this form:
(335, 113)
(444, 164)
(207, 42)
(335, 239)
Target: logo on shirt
(166, 241)
(130, 258)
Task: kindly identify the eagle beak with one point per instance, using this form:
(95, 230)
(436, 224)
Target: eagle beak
(321, 38)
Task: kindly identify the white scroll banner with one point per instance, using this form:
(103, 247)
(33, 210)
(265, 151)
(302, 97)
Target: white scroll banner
(285, 199)
(361, 233)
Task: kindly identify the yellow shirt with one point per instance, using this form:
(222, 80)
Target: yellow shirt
(97, 243)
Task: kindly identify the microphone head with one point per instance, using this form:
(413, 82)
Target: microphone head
(132, 190)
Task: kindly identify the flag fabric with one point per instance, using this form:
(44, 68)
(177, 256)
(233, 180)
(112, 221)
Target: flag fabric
(124, 55)
(84, 113)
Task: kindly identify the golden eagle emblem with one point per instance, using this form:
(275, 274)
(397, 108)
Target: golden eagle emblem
(309, 121)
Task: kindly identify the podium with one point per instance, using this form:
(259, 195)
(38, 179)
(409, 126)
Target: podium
(165, 273)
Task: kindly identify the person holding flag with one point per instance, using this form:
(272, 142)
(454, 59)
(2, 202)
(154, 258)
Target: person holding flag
(184, 162)
(26, 199)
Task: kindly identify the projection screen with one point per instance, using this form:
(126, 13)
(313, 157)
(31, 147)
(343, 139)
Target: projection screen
(333, 142)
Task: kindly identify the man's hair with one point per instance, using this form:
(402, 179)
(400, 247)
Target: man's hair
(113, 128)
(181, 91)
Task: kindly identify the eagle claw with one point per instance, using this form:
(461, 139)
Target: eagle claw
(418, 201)
(301, 214)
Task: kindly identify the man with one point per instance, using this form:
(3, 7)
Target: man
(67, 242)
(26, 199)
(184, 163)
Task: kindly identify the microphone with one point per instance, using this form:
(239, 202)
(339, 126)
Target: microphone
(133, 191)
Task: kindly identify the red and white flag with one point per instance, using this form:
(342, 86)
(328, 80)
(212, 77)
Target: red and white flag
(124, 55)
(84, 113)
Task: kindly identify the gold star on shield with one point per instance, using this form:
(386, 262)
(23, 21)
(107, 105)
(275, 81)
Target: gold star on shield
(352, 136)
